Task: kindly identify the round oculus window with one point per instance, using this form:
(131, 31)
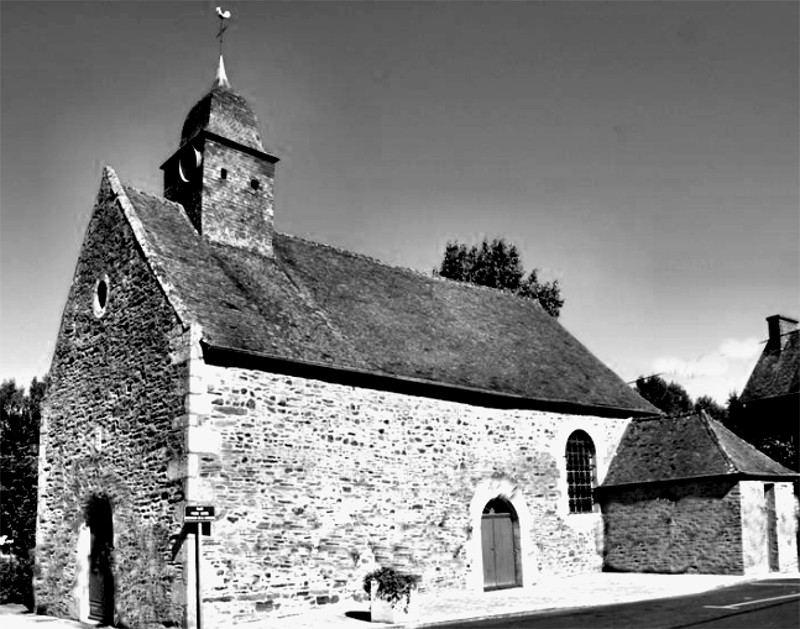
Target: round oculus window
(101, 293)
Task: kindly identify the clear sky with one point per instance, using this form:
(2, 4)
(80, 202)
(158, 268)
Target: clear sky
(643, 153)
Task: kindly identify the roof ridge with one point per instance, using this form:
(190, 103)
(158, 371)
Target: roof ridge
(352, 254)
(707, 419)
(417, 272)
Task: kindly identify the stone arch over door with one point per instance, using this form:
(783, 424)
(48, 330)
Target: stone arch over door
(503, 490)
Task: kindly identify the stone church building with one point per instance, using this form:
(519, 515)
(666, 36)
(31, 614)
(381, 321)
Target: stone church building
(338, 413)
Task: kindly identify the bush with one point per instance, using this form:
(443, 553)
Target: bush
(16, 581)
(393, 586)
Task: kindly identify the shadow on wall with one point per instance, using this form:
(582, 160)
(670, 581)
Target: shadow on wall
(676, 528)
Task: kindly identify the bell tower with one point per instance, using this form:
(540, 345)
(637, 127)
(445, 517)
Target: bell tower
(221, 174)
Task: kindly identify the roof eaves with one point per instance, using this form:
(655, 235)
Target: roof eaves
(150, 257)
(662, 481)
(215, 353)
(700, 477)
(768, 398)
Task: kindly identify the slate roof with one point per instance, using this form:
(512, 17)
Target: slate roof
(226, 113)
(777, 371)
(688, 446)
(324, 306)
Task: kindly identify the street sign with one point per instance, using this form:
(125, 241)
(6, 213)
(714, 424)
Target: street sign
(202, 516)
(198, 513)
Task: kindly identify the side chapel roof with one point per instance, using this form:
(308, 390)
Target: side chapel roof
(689, 446)
(320, 305)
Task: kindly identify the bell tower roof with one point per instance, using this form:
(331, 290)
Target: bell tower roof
(225, 113)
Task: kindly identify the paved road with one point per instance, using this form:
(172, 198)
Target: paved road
(769, 604)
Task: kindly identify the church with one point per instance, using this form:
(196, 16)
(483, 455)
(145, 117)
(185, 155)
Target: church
(336, 413)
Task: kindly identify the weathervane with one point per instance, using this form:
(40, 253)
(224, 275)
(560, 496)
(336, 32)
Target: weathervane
(223, 15)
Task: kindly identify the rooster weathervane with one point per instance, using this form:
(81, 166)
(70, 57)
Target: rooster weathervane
(223, 26)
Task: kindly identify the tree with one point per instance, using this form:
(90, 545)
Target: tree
(763, 424)
(671, 398)
(715, 410)
(498, 264)
(20, 414)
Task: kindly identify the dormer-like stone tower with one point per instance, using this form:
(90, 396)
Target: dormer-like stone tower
(221, 174)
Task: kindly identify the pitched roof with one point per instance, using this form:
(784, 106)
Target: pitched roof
(316, 304)
(688, 446)
(777, 371)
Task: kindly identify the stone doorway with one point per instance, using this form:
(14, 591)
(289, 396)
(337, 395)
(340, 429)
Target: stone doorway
(101, 580)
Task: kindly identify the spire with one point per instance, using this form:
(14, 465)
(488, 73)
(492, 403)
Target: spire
(222, 79)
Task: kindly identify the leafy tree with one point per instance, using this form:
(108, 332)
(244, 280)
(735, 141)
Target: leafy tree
(498, 264)
(671, 398)
(712, 407)
(767, 429)
(20, 414)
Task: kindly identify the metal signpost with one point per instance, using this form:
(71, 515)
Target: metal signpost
(201, 516)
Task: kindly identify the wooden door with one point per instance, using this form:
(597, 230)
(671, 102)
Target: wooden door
(97, 583)
(101, 579)
(499, 558)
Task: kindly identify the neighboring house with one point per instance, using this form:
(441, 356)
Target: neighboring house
(768, 412)
(684, 494)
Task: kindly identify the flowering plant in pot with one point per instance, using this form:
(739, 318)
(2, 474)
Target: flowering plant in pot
(392, 595)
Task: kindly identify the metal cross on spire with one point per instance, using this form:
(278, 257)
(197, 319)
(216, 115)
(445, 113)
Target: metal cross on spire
(223, 15)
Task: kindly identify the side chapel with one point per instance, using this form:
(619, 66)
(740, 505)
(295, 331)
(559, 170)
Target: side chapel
(339, 413)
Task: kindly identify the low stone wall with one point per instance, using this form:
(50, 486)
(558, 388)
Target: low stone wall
(686, 527)
(316, 483)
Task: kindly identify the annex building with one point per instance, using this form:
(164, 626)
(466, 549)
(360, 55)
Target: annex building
(338, 413)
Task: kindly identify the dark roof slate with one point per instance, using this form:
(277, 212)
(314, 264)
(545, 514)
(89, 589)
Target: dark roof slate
(777, 371)
(317, 304)
(226, 113)
(688, 446)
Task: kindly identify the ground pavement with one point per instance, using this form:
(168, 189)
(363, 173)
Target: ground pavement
(550, 594)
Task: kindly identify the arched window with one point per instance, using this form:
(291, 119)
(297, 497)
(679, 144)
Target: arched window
(581, 474)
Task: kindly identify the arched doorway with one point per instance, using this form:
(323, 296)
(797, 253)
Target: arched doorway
(101, 579)
(500, 545)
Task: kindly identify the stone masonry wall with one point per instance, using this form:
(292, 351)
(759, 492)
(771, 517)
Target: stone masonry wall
(234, 212)
(315, 484)
(683, 527)
(111, 429)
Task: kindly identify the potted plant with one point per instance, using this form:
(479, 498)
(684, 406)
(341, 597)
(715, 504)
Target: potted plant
(392, 595)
